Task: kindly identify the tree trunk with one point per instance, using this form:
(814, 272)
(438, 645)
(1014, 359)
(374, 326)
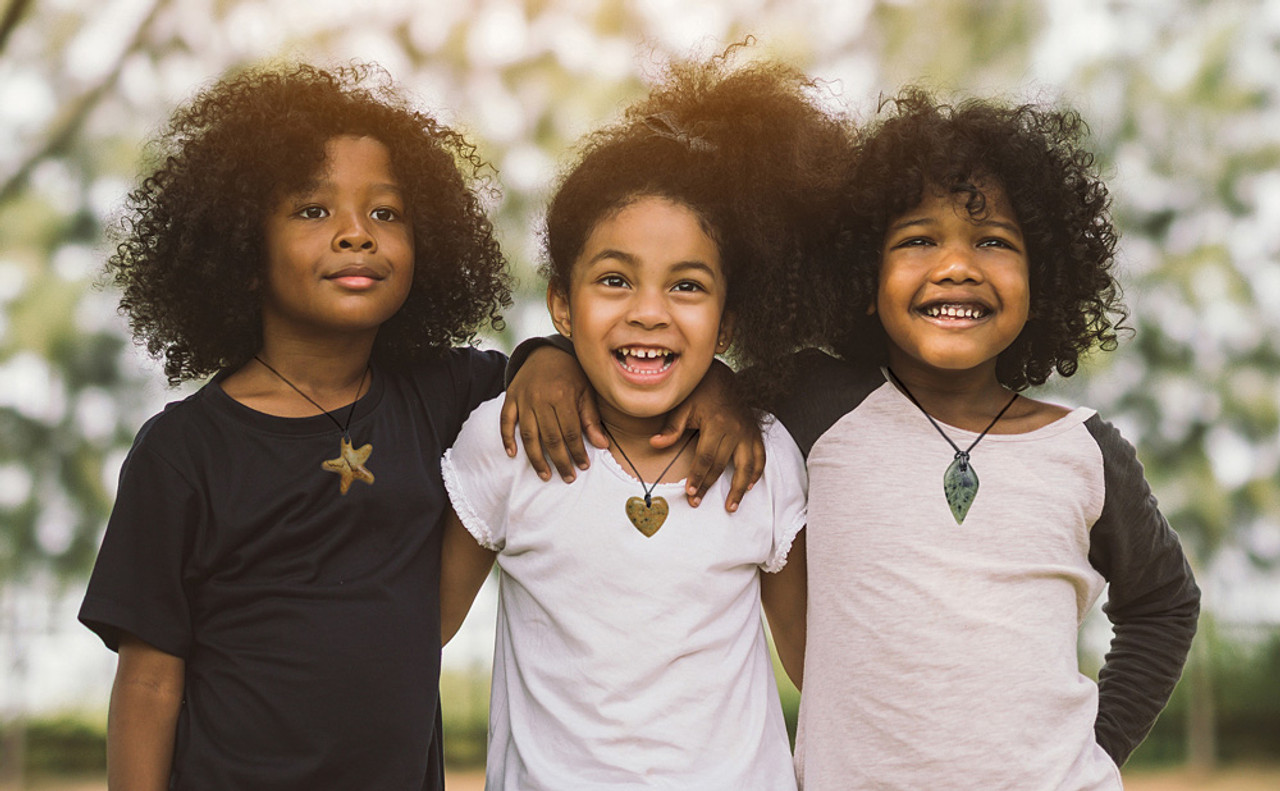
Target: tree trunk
(1202, 726)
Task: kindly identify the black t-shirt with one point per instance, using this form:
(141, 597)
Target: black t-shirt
(308, 620)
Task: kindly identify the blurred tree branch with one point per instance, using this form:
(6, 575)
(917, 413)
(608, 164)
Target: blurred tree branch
(64, 127)
(12, 16)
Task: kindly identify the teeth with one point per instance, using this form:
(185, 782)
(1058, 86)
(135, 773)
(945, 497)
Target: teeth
(643, 354)
(955, 311)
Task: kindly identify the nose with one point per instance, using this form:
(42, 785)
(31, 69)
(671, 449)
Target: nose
(956, 264)
(355, 234)
(648, 308)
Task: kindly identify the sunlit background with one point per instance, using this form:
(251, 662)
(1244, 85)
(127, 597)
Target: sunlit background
(1183, 100)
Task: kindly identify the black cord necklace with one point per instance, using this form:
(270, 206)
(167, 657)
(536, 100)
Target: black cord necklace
(648, 514)
(960, 481)
(350, 462)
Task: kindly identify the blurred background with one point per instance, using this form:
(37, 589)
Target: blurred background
(1183, 100)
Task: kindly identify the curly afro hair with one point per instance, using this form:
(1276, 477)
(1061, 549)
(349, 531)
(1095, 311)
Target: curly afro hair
(191, 242)
(1035, 156)
(755, 155)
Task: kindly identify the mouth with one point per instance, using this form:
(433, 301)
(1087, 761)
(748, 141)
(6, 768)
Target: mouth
(644, 360)
(955, 311)
(355, 277)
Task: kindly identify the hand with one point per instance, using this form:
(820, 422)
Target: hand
(554, 406)
(727, 431)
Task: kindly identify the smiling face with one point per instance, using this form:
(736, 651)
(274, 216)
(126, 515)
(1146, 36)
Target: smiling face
(340, 252)
(954, 290)
(645, 309)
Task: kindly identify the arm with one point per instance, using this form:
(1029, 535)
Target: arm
(550, 399)
(785, 599)
(1153, 602)
(143, 718)
(464, 566)
(727, 430)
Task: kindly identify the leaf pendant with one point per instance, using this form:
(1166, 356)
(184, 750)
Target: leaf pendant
(960, 483)
(647, 518)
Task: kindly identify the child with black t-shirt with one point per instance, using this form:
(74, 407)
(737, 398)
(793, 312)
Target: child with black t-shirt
(269, 574)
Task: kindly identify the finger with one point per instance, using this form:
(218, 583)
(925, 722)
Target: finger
(552, 434)
(673, 428)
(721, 457)
(507, 423)
(592, 425)
(748, 465)
(706, 458)
(528, 426)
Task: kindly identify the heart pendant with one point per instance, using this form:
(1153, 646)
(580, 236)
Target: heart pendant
(647, 518)
(960, 484)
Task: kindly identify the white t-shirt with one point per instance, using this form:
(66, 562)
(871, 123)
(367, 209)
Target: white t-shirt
(623, 661)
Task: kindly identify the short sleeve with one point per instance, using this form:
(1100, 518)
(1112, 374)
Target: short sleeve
(137, 584)
(787, 482)
(477, 377)
(479, 476)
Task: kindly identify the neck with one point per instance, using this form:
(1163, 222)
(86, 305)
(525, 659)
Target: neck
(329, 374)
(320, 367)
(966, 399)
(629, 430)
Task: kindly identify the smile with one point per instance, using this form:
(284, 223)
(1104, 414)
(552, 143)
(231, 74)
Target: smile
(955, 311)
(644, 359)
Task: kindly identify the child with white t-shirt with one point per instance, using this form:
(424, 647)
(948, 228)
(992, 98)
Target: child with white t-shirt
(630, 649)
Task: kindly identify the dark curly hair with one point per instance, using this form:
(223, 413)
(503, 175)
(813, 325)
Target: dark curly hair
(192, 236)
(755, 155)
(1035, 156)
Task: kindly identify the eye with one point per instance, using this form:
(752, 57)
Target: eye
(688, 286)
(613, 281)
(313, 212)
(385, 214)
(914, 241)
(997, 243)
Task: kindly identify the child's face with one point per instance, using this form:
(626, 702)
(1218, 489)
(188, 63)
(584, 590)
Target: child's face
(645, 308)
(339, 253)
(954, 291)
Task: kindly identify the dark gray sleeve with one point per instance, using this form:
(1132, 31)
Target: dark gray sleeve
(822, 390)
(1153, 602)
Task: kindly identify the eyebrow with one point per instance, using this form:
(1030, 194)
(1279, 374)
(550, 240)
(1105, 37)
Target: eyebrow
(628, 258)
(1007, 226)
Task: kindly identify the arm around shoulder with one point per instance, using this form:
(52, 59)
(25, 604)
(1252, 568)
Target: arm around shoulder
(141, 725)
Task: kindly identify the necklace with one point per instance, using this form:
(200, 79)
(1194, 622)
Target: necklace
(350, 462)
(960, 481)
(649, 513)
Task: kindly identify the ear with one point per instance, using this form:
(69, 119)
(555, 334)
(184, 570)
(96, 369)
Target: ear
(724, 337)
(558, 307)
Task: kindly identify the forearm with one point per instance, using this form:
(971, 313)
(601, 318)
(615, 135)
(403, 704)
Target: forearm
(785, 600)
(1142, 668)
(464, 566)
(143, 718)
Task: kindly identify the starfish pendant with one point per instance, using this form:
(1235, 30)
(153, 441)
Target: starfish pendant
(647, 518)
(960, 484)
(350, 464)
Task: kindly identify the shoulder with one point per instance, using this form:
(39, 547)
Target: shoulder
(824, 389)
(460, 365)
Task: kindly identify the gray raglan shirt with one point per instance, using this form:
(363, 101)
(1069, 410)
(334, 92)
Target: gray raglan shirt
(944, 656)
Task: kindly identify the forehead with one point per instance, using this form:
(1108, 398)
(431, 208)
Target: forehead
(980, 199)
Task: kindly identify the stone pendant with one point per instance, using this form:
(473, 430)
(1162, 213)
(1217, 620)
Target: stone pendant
(960, 483)
(647, 518)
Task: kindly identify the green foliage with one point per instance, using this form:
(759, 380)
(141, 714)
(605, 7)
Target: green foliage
(65, 745)
(1246, 682)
